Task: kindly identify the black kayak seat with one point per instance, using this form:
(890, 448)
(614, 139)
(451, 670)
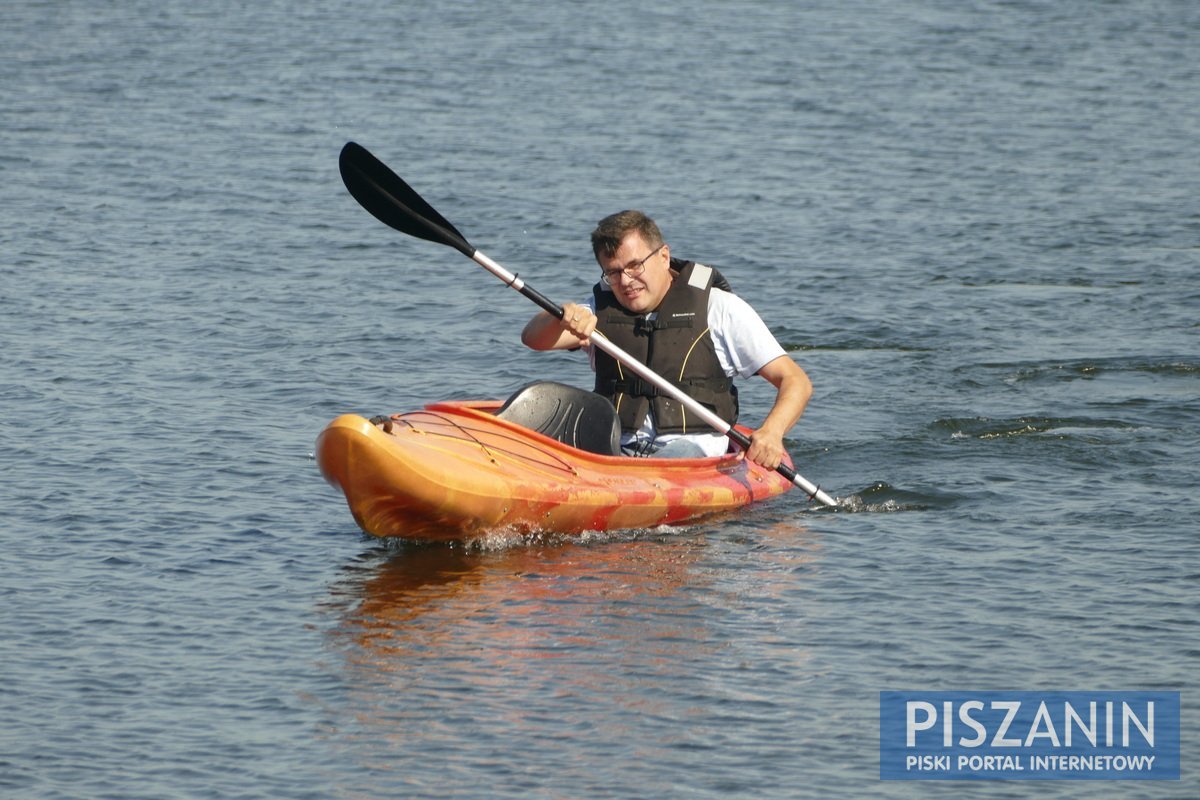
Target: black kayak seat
(573, 416)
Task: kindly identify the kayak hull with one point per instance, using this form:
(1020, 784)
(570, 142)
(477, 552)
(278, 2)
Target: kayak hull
(454, 470)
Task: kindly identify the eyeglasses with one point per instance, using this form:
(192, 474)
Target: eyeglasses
(610, 276)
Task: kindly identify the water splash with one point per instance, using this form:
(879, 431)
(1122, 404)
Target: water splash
(884, 498)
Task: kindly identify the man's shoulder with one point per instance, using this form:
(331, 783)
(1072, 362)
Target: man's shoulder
(727, 304)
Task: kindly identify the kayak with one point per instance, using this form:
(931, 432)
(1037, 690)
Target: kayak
(547, 459)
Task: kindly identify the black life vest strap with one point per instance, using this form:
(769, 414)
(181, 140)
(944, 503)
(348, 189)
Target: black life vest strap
(644, 327)
(636, 387)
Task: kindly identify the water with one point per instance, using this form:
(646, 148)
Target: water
(974, 224)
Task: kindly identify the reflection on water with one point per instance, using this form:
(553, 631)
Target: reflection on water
(523, 601)
(630, 643)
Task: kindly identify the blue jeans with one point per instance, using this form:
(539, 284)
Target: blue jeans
(679, 448)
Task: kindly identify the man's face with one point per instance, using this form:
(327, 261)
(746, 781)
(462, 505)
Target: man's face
(643, 293)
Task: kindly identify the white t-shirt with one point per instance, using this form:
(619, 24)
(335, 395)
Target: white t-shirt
(743, 344)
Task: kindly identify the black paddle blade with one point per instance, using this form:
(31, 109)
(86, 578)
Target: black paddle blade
(393, 202)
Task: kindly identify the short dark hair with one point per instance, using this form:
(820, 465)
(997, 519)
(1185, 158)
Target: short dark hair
(613, 229)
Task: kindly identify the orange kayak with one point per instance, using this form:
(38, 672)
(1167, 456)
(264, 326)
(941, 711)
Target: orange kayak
(455, 469)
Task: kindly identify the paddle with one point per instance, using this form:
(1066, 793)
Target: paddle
(393, 202)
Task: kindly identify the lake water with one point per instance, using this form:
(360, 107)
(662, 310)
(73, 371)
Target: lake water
(975, 224)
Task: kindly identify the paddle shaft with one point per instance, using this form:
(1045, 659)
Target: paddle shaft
(392, 201)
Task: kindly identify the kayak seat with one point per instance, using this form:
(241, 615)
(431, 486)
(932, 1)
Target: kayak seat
(573, 416)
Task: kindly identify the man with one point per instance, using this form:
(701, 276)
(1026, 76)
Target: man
(674, 320)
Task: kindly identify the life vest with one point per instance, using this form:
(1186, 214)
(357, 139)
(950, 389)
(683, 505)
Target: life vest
(676, 344)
